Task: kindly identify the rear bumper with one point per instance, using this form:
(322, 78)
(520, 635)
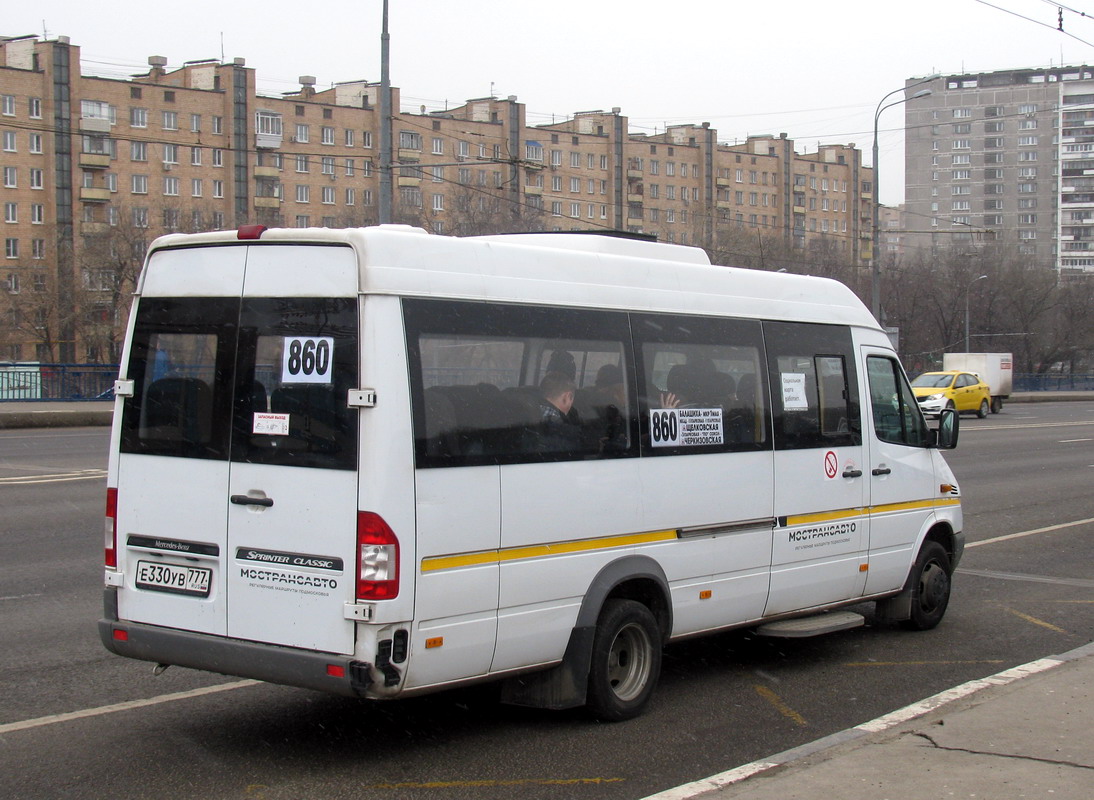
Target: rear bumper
(284, 665)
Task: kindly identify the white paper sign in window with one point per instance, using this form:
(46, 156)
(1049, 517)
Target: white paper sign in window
(794, 397)
(686, 427)
(270, 424)
(307, 359)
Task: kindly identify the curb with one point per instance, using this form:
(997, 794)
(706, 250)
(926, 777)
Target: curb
(734, 776)
(55, 418)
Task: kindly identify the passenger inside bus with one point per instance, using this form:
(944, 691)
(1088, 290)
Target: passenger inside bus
(555, 431)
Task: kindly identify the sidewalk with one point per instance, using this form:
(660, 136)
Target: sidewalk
(1024, 733)
(79, 413)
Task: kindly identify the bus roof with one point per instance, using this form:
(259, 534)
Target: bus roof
(564, 269)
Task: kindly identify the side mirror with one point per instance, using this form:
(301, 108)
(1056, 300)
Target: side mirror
(949, 423)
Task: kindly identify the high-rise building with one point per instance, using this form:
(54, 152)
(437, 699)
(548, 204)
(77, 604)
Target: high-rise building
(93, 168)
(1002, 157)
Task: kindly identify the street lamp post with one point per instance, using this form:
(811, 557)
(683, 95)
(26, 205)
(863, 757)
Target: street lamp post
(968, 289)
(875, 260)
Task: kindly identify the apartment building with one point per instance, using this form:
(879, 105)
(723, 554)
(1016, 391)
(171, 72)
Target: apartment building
(94, 168)
(1002, 157)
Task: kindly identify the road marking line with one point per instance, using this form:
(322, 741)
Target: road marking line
(919, 663)
(473, 784)
(1082, 583)
(1036, 621)
(779, 705)
(1025, 427)
(1020, 534)
(1070, 441)
(53, 477)
(20, 596)
(39, 722)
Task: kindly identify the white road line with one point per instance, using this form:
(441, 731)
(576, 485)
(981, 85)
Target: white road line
(1070, 441)
(39, 722)
(1025, 427)
(1020, 534)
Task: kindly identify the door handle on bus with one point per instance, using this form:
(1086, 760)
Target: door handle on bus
(247, 500)
(852, 473)
(882, 471)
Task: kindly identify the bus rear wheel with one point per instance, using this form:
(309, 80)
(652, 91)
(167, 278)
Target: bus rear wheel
(626, 661)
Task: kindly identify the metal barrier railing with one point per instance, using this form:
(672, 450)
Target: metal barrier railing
(33, 381)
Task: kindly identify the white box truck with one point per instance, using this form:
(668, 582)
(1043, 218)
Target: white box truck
(995, 369)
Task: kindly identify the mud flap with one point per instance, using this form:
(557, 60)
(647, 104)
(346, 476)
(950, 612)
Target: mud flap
(562, 686)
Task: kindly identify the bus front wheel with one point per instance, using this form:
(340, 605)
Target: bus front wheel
(626, 661)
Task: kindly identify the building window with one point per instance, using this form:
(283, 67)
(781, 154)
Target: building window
(351, 196)
(11, 212)
(139, 184)
(138, 151)
(366, 138)
(438, 202)
(268, 123)
(1027, 141)
(218, 124)
(171, 186)
(301, 163)
(328, 195)
(962, 113)
(409, 140)
(38, 249)
(327, 165)
(170, 120)
(327, 135)
(349, 137)
(37, 214)
(140, 217)
(303, 193)
(348, 167)
(533, 151)
(36, 143)
(9, 142)
(196, 187)
(302, 133)
(218, 191)
(37, 178)
(170, 154)
(35, 106)
(138, 117)
(438, 146)
(1027, 108)
(7, 105)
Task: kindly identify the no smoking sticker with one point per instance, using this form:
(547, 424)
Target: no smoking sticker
(831, 464)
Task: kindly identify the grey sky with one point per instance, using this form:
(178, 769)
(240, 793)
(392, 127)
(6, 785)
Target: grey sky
(815, 70)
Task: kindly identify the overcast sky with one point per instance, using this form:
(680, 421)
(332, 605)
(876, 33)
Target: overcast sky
(815, 70)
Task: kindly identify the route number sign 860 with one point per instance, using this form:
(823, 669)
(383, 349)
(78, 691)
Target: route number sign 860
(307, 359)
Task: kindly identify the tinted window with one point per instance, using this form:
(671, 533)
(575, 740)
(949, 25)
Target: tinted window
(897, 417)
(297, 363)
(813, 385)
(266, 379)
(495, 384)
(701, 384)
(181, 364)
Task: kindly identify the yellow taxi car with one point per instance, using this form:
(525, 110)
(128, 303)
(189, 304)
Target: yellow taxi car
(964, 391)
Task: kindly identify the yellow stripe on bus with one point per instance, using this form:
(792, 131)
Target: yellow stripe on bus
(536, 551)
(435, 563)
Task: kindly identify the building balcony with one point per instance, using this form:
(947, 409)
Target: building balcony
(94, 228)
(721, 183)
(636, 198)
(535, 191)
(799, 209)
(94, 195)
(404, 181)
(634, 174)
(407, 155)
(268, 141)
(95, 124)
(267, 172)
(724, 204)
(95, 160)
(267, 202)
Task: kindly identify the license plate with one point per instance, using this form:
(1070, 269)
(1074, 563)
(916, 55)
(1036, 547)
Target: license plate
(172, 578)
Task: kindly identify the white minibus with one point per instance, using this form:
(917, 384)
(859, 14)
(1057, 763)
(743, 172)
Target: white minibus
(378, 462)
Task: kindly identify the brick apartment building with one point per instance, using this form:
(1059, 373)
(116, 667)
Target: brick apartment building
(94, 168)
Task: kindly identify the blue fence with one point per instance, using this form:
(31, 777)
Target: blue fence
(26, 381)
(1028, 382)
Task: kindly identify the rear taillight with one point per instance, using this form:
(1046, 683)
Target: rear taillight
(110, 558)
(377, 558)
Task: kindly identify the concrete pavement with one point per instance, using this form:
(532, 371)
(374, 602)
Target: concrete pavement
(1023, 733)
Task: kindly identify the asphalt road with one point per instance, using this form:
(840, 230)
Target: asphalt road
(723, 701)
